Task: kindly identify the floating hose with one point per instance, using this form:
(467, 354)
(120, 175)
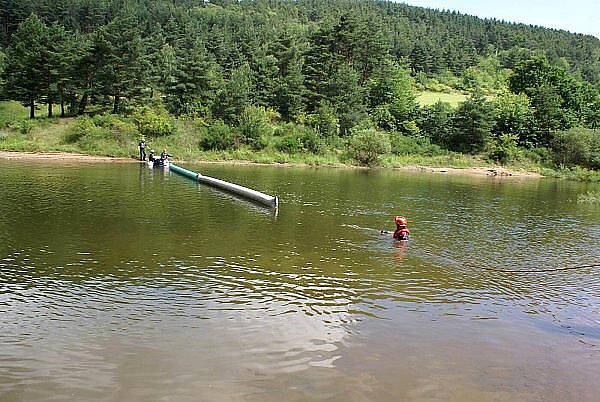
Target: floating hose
(242, 191)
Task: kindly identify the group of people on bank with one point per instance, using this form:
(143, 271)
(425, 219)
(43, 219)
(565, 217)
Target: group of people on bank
(160, 160)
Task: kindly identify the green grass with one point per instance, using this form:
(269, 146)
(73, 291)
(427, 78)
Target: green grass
(11, 111)
(427, 98)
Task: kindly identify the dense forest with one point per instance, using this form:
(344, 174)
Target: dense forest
(327, 73)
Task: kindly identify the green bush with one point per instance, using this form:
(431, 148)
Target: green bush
(325, 121)
(504, 148)
(83, 127)
(298, 139)
(154, 122)
(288, 143)
(577, 146)
(115, 127)
(255, 124)
(538, 155)
(419, 145)
(367, 145)
(24, 126)
(218, 136)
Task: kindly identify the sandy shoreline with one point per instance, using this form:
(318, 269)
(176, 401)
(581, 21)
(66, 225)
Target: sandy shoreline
(61, 157)
(75, 157)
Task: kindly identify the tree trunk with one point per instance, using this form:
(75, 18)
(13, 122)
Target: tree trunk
(62, 102)
(32, 109)
(82, 104)
(50, 109)
(116, 105)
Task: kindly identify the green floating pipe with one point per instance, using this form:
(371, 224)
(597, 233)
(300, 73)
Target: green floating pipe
(184, 172)
(254, 195)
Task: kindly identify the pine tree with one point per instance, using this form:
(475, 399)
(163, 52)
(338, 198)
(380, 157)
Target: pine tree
(290, 90)
(123, 63)
(24, 72)
(236, 95)
(195, 78)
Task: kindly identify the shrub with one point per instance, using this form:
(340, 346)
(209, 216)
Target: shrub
(299, 139)
(577, 146)
(288, 143)
(218, 136)
(115, 127)
(3, 136)
(83, 127)
(384, 118)
(538, 155)
(367, 145)
(24, 126)
(254, 124)
(154, 122)
(504, 148)
(325, 121)
(419, 145)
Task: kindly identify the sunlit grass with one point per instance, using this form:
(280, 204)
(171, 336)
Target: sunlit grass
(427, 98)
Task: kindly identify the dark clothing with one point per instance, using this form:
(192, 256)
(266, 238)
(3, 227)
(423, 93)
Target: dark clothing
(151, 157)
(142, 146)
(164, 156)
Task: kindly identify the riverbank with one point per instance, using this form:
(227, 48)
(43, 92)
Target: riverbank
(58, 157)
(114, 139)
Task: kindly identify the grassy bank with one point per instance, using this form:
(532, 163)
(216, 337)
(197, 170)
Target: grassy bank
(108, 135)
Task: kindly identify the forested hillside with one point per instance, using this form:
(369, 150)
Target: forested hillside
(311, 72)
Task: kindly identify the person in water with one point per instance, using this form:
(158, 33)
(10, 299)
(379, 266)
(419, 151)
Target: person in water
(151, 156)
(142, 146)
(401, 233)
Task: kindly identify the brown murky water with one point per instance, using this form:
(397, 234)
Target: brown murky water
(119, 283)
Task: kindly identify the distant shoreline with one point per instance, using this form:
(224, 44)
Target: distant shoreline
(58, 157)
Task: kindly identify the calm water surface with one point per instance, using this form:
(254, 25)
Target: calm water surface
(119, 283)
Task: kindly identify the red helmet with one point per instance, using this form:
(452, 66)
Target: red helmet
(400, 220)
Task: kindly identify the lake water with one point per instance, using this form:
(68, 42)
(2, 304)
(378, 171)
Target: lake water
(122, 283)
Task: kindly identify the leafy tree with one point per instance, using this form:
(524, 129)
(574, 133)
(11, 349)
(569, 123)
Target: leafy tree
(548, 113)
(472, 124)
(392, 95)
(436, 123)
(514, 115)
(577, 146)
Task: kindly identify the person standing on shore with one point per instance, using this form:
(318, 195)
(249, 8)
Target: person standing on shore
(142, 146)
